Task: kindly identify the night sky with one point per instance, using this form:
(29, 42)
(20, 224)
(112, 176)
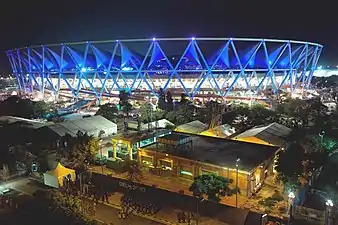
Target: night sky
(26, 22)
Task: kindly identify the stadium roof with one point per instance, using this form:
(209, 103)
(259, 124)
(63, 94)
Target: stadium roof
(90, 125)
(274, 134)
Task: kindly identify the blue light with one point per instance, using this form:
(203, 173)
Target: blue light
(154, 39)
(83, 70)
(320, 67)
(117, 41)
(193, 38)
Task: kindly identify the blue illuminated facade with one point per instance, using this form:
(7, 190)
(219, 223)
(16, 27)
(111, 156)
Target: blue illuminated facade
(218, 65)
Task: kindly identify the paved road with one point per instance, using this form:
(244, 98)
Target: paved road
(108, 215)
(104, 213)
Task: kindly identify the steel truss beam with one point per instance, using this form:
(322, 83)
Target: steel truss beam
(41, 67)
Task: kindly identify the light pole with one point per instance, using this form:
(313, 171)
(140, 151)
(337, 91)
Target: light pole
(328, 212)
(197, 208)
(290, 205)
(264, 219)
(237, 165)
(321, 135)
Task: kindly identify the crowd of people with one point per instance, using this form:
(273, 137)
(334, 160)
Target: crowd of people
(132, 203)
(7, 201)
(183, 217)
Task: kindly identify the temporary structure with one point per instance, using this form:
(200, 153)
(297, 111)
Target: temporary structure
(55, 178)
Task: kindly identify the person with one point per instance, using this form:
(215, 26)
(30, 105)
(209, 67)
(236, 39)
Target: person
(183, 217)
(178, 217)
(189, 219)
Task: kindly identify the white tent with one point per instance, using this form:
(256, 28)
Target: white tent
(54, 178)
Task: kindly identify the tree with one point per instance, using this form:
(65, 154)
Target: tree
(289, 166)
(149, 114)
(132, 169)
(108, 111)
(80, 150)
(162, 104)
(170, 101)
(181, 115)
(124, 103)
(213, 186)
(53, 207)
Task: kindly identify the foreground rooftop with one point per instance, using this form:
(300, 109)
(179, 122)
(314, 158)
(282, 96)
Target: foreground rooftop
(217, 151)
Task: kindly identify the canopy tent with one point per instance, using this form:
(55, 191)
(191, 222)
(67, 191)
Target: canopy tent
(56, 177)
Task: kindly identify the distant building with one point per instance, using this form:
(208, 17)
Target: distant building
(193, 127)
(222, 131)
(273, 134)
(91, 125)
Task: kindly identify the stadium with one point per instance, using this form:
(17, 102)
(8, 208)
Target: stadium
(199, 67)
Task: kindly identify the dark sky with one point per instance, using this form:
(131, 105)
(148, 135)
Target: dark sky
(25, 22)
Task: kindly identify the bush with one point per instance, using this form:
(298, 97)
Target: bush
(282, 209)
(277, 197)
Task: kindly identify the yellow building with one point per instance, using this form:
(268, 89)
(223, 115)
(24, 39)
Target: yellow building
(126, 147)
(273, 134)
(188, 156)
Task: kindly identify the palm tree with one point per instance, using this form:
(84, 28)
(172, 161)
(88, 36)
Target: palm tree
(132, 169)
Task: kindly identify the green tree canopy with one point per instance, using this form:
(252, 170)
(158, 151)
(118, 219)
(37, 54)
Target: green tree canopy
(213, 186)
(108, 111)
(133, 169)
(25, 108)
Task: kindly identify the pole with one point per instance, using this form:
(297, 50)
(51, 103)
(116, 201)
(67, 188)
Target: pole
(236, 185)
(101, 160)
(237, 165)
(101, 156)
(197, 213)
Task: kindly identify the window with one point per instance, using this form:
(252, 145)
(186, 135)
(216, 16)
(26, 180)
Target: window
(147, 160)
(167, 164)
(206, 172)
(186, 172)
(148, 141)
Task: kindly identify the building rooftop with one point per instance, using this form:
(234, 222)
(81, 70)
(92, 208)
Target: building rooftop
(193, 127)
(224, 152)
(133, 136)
(90, 125)
(274, 134)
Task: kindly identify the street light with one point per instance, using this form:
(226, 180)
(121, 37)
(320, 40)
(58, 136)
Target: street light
(321, 135)
(237, 165)
(197, 210)
(291, 198)
(264, 219)
(328, 212)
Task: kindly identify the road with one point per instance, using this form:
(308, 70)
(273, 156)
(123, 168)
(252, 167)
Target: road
(108, 215)
(104, 213)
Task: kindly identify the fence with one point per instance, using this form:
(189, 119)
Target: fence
(311, 215)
